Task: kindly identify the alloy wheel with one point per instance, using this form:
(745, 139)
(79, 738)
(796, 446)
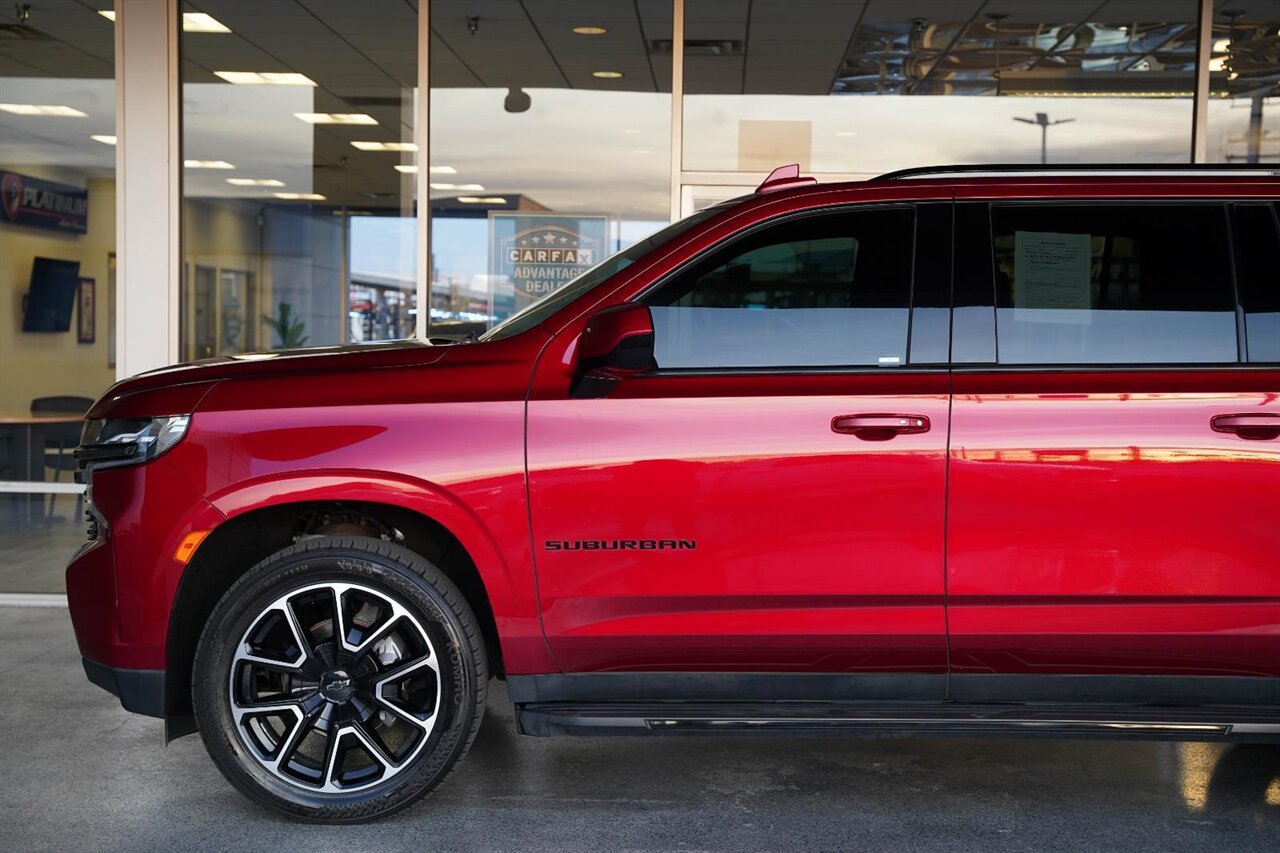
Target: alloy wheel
(335, 687)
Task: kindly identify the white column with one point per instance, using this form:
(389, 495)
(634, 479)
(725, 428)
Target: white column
(677, 104)
(148, 184)
(422, 133)
(1200, 109)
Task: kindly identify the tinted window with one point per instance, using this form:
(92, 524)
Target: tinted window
(931, 285)
(973, 321)
(830, 289)
(1258, 233)
(1113, 284)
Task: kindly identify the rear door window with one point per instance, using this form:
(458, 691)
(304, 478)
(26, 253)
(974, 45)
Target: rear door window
(1113, 284)
(1258, 242)
(822, 290)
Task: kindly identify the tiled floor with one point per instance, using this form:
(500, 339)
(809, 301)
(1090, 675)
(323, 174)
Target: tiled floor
(81, 774)
(34, 549)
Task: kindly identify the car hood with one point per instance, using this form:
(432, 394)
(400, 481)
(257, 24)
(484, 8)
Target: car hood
(177, 389)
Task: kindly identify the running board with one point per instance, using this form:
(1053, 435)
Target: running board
(805, 719)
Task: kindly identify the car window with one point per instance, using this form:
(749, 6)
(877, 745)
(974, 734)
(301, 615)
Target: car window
(1258, 238)
(822, 290)
(1113, 284)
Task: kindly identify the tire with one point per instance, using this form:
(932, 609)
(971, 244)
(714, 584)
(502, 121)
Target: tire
(339, 728)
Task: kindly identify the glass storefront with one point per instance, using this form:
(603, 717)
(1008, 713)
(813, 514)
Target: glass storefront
(550, 133)
(550, 146)
(299, 160)
(864, 88)
(57, 273)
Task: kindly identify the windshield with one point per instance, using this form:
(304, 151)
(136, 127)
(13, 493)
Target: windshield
(533, 314)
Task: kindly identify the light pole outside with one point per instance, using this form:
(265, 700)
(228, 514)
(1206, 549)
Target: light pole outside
(1042, 119)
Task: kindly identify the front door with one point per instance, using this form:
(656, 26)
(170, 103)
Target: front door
(770, 499)
(1113, 501)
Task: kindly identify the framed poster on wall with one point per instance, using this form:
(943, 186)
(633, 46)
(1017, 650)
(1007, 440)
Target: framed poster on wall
(86, 308)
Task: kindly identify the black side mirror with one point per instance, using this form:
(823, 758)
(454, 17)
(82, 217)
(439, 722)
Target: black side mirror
(616, 343)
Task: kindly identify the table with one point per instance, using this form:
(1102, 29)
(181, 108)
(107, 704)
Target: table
(32, 428)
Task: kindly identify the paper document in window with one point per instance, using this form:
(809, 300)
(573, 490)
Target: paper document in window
(1051, 273)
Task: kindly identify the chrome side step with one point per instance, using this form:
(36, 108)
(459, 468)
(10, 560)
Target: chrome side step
(803, 719)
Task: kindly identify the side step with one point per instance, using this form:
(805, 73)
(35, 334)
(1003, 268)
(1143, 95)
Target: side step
(813, 719)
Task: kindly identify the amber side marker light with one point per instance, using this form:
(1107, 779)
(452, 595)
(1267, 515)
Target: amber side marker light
(187, 547)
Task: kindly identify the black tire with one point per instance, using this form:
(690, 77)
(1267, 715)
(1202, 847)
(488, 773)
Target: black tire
(360, 570)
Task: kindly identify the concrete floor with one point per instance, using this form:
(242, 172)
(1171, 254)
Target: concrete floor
(81, 774)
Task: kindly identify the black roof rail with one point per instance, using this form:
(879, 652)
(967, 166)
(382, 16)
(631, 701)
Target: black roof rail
(972, 169)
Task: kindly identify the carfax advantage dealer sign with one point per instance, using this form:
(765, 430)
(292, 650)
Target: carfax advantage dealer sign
(533, 254)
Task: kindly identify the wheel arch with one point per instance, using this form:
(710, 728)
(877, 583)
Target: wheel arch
(259, 525)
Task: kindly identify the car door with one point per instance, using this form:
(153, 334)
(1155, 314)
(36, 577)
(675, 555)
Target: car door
(1115, 455)
(770, 498)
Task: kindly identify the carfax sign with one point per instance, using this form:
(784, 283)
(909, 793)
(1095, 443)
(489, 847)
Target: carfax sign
(44, 204)
(533, 254)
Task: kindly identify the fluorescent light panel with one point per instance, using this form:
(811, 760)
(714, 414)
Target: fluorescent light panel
(43, 110)
(265, 78)
(336, 118)
(471, 199)
(192, 22)
(474, 188)
(299, 196)
(207, 164)
(104, 138)
(255, 182)
(385, 146)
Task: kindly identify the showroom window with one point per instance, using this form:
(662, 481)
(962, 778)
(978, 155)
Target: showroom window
(818, 291)
(550, 140)
(57, 270)
(859, 88)
(1244, 104)
(299, 155)
(1114, 284)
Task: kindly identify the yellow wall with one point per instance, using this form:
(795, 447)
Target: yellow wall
(42, 364)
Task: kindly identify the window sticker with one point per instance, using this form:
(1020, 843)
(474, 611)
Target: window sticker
(1051, 276)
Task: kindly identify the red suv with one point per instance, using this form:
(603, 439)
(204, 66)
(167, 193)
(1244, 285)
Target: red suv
(976, 452)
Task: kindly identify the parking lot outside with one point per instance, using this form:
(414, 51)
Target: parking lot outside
(82, 774)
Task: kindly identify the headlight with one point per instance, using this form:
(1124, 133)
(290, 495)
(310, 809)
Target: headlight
(129, 441)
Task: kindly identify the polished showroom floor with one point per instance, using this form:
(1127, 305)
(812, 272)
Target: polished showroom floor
(81, 774)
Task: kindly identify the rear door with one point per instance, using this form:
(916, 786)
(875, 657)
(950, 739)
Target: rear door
(1115, 449)
(770, 498)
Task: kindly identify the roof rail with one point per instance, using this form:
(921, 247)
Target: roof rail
(1027, 169)
(784, 177)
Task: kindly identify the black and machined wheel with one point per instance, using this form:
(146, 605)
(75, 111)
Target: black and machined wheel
(340, 680)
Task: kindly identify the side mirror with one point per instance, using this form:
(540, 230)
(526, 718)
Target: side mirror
(616, 343)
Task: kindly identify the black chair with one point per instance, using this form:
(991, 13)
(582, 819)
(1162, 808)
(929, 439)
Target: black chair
(60, 440)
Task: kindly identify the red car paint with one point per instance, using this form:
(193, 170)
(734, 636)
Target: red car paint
(1079, 521)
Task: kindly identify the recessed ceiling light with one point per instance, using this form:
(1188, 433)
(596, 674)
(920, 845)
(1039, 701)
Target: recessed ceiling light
(441, 170)
(255, 182)
(408, 170)
(109, 14)
(474, 188)
(207, 164)
(590, 31)
(265, 78)
(199, 22)
(607, 75)
(336, 118)
(299, 196)
(103, 138)
(43, 110)
(386, 146)
(488, 199)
